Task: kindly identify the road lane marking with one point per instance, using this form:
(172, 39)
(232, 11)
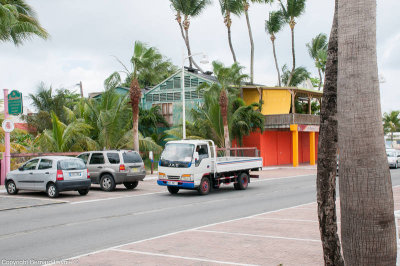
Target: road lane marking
(120, 197)
(178, 257)
(260, 236)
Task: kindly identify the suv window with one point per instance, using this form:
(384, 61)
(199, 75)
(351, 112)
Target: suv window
(84, 157)
(45, 164)
(97, 158)
(131, 157)
(113, 158)
(71, 164)
(31, 165)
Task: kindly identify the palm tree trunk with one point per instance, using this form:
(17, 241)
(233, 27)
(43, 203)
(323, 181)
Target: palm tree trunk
(366, 196)
(246, 8)
(320, 79)
(292, 24)
(327, 150)
(186, 24)
(223, 102)
(230, 44)
(276, 60)
(135, 94)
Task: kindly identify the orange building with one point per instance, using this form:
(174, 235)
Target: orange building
(288, 138)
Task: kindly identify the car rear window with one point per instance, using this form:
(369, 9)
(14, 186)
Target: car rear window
(71, 164)
(131, 157)
(113, 158)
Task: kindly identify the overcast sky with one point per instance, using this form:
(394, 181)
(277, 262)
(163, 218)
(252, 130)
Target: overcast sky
(85, 35)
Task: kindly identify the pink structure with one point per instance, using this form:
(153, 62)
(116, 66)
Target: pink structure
(5, 163)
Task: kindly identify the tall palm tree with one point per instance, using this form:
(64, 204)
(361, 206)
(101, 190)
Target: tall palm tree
(272, 26)
(149, 120)
(293, 10)
(18, 22)
(229, 7)
(229, 79)
(189, 9)
(300, 74)
(327, 155)
(391, 122)
(246, 5)
(366, 196)
(317, 49)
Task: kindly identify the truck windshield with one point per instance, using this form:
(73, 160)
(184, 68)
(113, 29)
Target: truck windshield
(177, 155)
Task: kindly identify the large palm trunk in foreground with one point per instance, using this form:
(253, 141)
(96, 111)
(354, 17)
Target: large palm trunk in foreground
(135, 94)
(367, 219)
(327, 149)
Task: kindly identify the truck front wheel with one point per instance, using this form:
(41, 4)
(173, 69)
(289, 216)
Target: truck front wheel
(243, 181)
(204, 187)
(173, 190)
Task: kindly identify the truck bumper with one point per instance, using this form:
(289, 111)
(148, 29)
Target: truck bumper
(181, 184)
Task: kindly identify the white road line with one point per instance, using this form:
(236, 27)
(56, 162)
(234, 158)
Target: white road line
(179, 257)
(120, 197)
(261, 236)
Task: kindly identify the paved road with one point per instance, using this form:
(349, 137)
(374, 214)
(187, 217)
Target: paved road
(66, 230)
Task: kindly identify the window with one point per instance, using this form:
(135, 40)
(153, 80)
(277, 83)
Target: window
(156, 97)
(177, 96)
(170, 84)
(31, 165)
(45, 164)
(71, 164)
(170, 97)
(84, 157)
(163, 97)
(131, 157)
(194, 95)
(113, 158)
(203, 151)
(149, 98)
(177, 82)
(187, 95)
(194, 82)
(97, 158)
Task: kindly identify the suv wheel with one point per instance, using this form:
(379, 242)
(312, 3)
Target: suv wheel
(11, 188)
(107, 183)
(131, 185)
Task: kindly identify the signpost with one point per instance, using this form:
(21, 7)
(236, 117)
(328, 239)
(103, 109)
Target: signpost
(15, 106)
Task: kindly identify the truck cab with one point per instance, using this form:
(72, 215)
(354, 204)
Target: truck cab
(193, 164)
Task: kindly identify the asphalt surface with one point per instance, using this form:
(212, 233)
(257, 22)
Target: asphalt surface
(61, 231)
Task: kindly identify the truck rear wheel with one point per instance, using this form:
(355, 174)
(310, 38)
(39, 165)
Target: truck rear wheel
(243, 181)
(204, 187)
(173, 190)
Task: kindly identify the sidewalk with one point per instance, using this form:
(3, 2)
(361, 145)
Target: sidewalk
(288, 236)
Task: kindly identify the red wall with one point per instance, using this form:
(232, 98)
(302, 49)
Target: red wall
(276, 146)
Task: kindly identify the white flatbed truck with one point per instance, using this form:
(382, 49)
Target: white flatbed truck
(193, 164)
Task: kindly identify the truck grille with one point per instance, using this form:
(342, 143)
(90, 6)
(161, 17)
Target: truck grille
(174, 177)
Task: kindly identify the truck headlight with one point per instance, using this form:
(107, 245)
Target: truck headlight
(187, 177)
(161, 176)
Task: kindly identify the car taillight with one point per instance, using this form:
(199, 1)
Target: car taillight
(121, 167)
(60, 176)
(88, 174)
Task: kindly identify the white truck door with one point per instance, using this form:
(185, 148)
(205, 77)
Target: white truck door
(204, 164)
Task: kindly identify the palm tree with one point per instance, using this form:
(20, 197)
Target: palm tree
(327, 155)
(246, 6)
(391, 122)
(299, 75)
(144, 59)
(317, 49)
(229, 79)
(150, 120)
(189, 9)
(366, 196)
(293, 10)
(64, 138)
(272, 26)
(229, 7)
(18, 22)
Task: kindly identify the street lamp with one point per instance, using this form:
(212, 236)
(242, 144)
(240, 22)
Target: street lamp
(204, 60)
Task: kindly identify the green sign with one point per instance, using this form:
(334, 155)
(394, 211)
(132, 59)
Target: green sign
(15, 103)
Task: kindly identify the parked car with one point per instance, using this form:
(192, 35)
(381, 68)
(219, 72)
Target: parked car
(110, 168)
(52, 174)
(393, 158)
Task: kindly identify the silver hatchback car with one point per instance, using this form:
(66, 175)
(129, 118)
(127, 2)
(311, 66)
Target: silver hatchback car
(113, 167)
(51, 174)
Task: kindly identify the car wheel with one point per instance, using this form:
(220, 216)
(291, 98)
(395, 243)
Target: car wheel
(204, 187)
(173, 190)
(107, 183)
(83, 192)
(11, 188)
(52, 191)
(243, 181)
(131, 185)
